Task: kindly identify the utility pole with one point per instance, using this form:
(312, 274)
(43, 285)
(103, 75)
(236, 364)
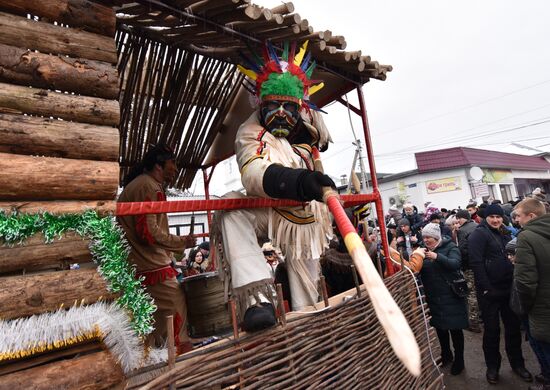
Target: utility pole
(358, 156)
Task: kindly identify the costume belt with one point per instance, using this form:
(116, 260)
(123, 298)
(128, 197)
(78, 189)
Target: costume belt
(157, 275)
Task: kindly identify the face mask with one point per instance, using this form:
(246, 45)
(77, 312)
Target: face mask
(280, 117)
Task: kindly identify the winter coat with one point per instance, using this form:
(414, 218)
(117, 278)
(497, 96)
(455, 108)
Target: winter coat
(493, 272)
(463, 233)
(415, 221)
(448, 311)
(532, 274)
(445, 230)
(402, 246)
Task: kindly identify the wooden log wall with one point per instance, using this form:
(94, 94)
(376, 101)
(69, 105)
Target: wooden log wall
(59, 152)
(34, 255)
(93, 371)
(59, 137)
(25, 295)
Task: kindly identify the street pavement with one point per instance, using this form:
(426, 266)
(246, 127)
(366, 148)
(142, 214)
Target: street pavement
(473, 377)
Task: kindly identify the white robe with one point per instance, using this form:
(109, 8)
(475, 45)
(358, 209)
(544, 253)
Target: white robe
(302, 232)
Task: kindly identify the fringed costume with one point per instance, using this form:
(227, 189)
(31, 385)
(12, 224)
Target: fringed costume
(264, 153)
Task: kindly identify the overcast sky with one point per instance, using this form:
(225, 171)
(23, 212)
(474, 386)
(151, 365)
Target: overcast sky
(462, 71)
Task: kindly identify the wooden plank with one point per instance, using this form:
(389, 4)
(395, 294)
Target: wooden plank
(26, 295)
(35, 254)
(21, 134)
(59, 105)
(83, 14)
(48, 178)
(46, 357)
(48, 38)
(91, 372)
(84, 77)
(103, 207)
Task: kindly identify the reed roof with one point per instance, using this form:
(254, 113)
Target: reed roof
(179, 80)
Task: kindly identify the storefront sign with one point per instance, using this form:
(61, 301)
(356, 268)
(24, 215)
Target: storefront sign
(443, 185)
(480, 190)
(497, 176)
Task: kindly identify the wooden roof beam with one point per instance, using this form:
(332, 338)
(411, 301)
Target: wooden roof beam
(205, 6)
(338, 41)
(285, 8)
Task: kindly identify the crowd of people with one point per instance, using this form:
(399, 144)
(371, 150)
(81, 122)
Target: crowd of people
(479, 266)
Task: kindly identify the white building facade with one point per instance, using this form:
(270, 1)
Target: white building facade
(475, 176)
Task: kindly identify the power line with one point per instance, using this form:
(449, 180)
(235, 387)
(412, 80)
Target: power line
(466, 132)
(467, 107)
(461, 137)
(410, 154)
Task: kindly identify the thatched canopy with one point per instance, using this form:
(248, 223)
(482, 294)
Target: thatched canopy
(179, 80)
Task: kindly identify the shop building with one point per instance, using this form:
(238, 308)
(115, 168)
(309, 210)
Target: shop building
(452, 177)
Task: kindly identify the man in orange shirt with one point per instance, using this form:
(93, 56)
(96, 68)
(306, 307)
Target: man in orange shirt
(152, 244)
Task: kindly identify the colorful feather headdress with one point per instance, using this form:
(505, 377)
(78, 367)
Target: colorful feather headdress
(282, 78)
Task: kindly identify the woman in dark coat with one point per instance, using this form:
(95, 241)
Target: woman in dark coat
(449, 313)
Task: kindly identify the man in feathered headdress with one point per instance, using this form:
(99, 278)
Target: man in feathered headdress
(276, 150)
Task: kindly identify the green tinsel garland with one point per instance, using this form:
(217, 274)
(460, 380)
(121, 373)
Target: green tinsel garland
(108, 248)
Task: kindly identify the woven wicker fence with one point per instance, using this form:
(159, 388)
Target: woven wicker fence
(341, 347)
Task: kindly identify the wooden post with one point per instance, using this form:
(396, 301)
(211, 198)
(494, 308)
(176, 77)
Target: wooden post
(281, 304)
(171, 346)
(324, 290)
(233, 309)
(356, 280)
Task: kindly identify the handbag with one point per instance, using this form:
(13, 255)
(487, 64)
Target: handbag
(459, 285)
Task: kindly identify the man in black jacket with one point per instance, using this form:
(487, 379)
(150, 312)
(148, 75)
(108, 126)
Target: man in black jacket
(493, 274)
(467, 226)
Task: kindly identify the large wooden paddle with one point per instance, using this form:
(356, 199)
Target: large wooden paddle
(391, 318)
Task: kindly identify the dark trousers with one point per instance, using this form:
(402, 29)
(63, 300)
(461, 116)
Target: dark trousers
(458, 342)
(491, 307)
(541, 350)
(544, 351)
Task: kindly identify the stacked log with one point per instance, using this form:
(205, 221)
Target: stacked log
(59, 144)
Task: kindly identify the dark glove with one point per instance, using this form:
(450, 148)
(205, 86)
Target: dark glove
(297, 184)
(312, 185)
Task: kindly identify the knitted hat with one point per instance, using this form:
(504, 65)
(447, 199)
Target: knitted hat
(435, 216)
(403, 222)
(463, 214)
(432, 230)
(493, 209)
(539, 194)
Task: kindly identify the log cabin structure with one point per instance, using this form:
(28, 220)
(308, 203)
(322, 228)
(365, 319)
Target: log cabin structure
(85, 87)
